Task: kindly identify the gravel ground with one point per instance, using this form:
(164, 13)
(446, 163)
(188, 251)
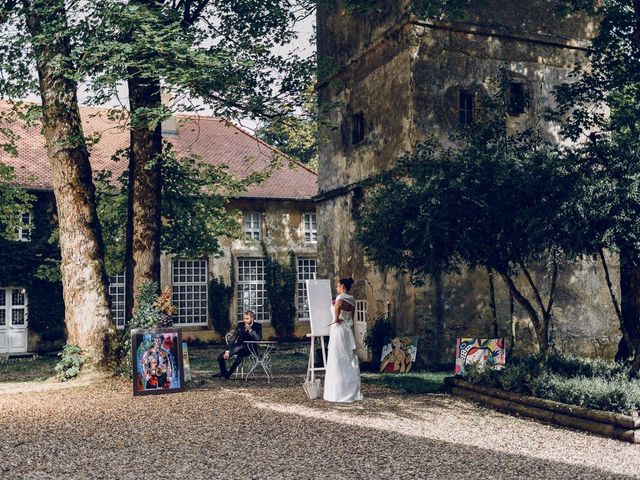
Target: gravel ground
(236, 429)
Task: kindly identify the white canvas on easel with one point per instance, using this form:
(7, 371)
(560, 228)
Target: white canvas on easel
(320, 303)
(320, 315)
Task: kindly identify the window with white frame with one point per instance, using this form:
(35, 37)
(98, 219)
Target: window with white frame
(189, 279)
(117, 300)
(251, 289)
(252, 226)
(307, 269)
(13, 306)
(310, 228)
(24, 230)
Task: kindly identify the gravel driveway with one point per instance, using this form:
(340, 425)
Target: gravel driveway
(236, 429)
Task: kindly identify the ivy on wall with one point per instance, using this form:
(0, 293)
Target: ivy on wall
(280, 280)
(34, 265)
(220, 297)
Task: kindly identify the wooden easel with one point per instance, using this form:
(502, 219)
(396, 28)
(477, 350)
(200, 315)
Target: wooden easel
(320, 316)
(311, 367)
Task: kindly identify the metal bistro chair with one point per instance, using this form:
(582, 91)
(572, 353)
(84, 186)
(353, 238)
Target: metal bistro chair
(240, 370)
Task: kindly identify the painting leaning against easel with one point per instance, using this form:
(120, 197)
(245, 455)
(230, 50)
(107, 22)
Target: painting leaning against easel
(480, 351)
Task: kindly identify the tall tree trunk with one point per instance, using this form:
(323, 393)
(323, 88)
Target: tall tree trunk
(142, 252)
(630, 292)
(145, 189)
(439, 319)
(630, 271)
(87, 315)
(636, 32)
(625, 347)
(512, 323)
(492, 303)
(540, 320)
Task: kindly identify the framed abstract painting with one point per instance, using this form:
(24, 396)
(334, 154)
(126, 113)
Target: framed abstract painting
(156, 358)
(399, 355)
(486, 352)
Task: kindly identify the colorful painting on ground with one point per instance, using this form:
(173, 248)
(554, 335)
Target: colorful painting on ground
(399, 355)
(156, 357)
(481, 351)
(185, 362)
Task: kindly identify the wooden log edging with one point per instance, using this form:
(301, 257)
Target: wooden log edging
(608, 424)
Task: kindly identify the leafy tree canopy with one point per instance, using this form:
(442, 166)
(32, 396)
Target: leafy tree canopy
(195, 215)
(295, 134)
(502, 201)
(14, 202)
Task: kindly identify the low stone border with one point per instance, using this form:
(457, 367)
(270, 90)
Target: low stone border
(608, 424)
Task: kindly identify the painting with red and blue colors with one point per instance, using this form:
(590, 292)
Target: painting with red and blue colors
(488, 352)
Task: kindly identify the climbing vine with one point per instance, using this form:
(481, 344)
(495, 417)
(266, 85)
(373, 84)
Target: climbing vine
(34, 266)
(280, 282)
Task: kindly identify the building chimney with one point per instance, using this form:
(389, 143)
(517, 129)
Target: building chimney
(170, 125)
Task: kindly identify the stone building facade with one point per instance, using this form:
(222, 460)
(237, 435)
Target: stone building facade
(390, 79)
(279, 212)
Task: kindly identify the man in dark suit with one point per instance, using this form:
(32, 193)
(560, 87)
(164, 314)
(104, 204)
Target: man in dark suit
(247, 331)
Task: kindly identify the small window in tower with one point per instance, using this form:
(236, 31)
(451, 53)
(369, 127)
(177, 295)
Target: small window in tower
(465, 107)
(517, 99)
(357, 128)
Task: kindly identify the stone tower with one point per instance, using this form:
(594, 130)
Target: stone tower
(388, 78)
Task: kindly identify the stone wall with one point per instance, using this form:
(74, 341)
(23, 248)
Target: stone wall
(399, 77)
(282, 231)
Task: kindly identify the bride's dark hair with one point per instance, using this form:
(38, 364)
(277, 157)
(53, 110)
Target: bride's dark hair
(347, 282)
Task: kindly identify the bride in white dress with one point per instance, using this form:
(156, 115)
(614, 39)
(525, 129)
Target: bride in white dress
(342, 379)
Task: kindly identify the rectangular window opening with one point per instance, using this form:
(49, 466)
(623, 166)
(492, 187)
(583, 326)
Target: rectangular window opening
(117, 300)
(310, 228)
(251, 289)
(24, 231)
(307, 270)
(517, 99)
(357, 127)
(465, 108)
(13, 307)
(252, 222)
(190, 292)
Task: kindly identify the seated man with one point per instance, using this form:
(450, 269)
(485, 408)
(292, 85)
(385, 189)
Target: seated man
(246, 331)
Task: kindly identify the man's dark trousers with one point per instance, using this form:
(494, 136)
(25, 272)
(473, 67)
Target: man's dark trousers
(236, 346)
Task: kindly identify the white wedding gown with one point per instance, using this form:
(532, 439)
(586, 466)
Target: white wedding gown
(342, 379)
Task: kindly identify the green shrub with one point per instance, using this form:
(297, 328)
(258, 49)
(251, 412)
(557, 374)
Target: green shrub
(615, 395)
(571, 366)
(596, 384)
(380, 334)
(70, 363)
(514, 377)
(153, 311)
(280, 284)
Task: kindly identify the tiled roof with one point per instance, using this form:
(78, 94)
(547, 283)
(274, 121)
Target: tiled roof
(214, 140)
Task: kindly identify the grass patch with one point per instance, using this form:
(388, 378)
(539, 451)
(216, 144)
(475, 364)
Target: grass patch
(285, 358)
(414, 382)
(23, 370)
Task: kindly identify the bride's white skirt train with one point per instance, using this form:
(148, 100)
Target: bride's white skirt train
(342, 379)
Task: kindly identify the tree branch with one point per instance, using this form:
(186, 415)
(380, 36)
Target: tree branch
(190, 17)
(616, 304)
(536, 292)
(6, 6)
(492, 303)
(552, 287)
(522, 300)
(636, 31)
(614, 300)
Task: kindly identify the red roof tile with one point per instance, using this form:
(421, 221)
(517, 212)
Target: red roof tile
(214, 140)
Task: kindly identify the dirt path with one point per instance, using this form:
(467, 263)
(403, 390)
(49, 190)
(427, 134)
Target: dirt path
(240, 430)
